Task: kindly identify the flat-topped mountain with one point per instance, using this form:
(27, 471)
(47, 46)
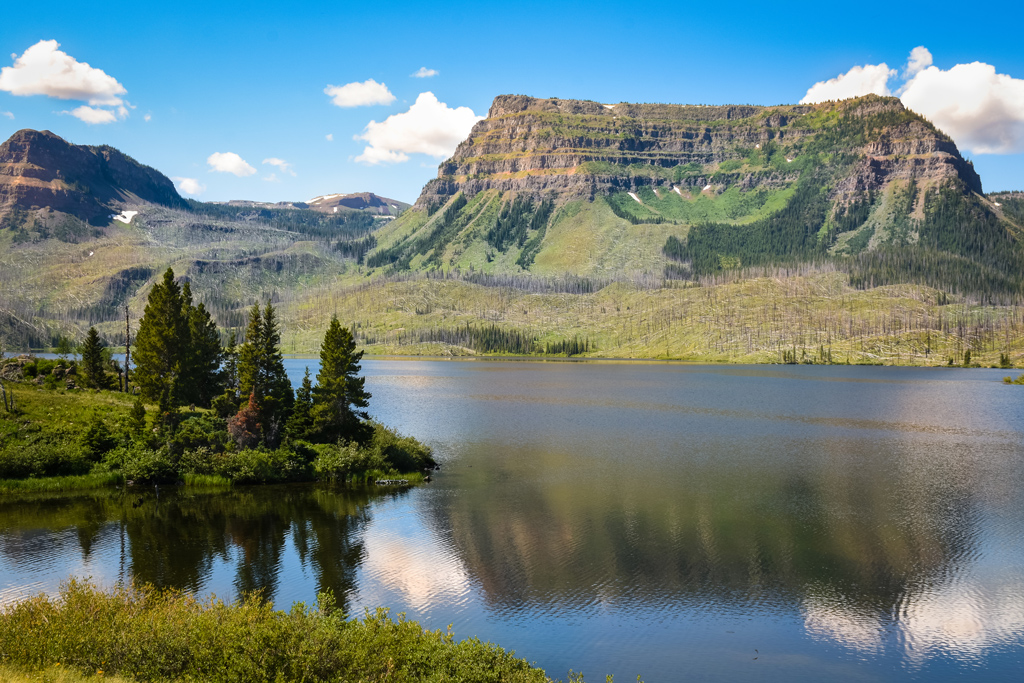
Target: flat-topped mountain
(554, 186)
(585, 148)
(41, 174)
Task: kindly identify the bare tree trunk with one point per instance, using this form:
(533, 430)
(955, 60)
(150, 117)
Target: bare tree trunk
(127, 346)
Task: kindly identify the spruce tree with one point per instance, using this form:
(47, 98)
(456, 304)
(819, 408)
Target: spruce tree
(300, 424)
(158, 344)
(93, 361)
(261, 374)
(137, 418)
(340, 393)
(201, 376)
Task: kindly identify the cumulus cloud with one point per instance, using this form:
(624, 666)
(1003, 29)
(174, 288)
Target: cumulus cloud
(43, 69)
(92, 115)
(982, 110)
(329, 137)
(919, 60)
(363, 94)
(424, 72)
(281, 164)
(429, 127)
(229, 162)
(860, 80)
(8, 114)
(189, 186)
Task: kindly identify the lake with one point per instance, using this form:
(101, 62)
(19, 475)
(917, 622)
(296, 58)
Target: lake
(712, 523)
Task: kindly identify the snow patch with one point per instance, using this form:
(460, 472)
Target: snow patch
(758, 146)
(608, 106)
(91, 253)
(997, 203)
(707, 187)
(635, 197)
(125, 217)
(788, 160)
(323, 198)
(335, 209)
(677, 191)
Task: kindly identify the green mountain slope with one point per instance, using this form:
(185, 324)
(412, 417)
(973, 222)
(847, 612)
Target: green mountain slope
(561, 186)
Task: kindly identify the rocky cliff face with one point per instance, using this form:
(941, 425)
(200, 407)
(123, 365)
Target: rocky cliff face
(40, 170)
(579, 149)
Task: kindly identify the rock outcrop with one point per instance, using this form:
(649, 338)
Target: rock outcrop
(580, 149)
(42, 171)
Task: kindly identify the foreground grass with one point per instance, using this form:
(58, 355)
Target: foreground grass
(83, 482)
(144, 634)
(54, 674)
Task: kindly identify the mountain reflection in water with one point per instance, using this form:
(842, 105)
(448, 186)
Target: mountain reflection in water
(849, 523)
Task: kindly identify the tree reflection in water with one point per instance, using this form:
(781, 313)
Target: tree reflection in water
(174, 537)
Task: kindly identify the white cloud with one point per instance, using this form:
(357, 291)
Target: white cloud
(860, 80)
(189, 186)
(45, 70)
(8, 114)
(147, 118)
(229, 162)
(919, 60)
(424, 72)
(982, 110)
(281, 164)
(93, 115)
(429, 127)
(329, 137)
(363, 94)
(272, 178)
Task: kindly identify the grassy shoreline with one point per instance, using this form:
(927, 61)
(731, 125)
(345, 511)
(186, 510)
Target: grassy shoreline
(58, 439)
(144, 634)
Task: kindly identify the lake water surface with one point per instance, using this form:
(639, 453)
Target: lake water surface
(794, 523)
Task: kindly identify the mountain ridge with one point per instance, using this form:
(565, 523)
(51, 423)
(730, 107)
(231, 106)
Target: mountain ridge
(41, 173)
(722, 187)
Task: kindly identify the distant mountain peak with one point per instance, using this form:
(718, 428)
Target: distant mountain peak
(358, 201)
(42, 172)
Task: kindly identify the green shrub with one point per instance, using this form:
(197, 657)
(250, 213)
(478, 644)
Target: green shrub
(201, 431)
(43, 459)
(152, 635)
(143, 465)
(255, 465)
(97, 440)
(341, 462)
(402, 453)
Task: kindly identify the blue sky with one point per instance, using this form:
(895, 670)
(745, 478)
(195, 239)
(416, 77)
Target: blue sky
(247, 80)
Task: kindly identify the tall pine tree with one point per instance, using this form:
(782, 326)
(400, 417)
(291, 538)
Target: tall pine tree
(261, 373)
(93, 363)
(300, 424)
(201, 377)
(158, 344)
(177, 349)
(340, 394)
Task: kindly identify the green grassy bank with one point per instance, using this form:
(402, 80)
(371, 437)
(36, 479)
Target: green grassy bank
(142, 634)
(57, 439)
